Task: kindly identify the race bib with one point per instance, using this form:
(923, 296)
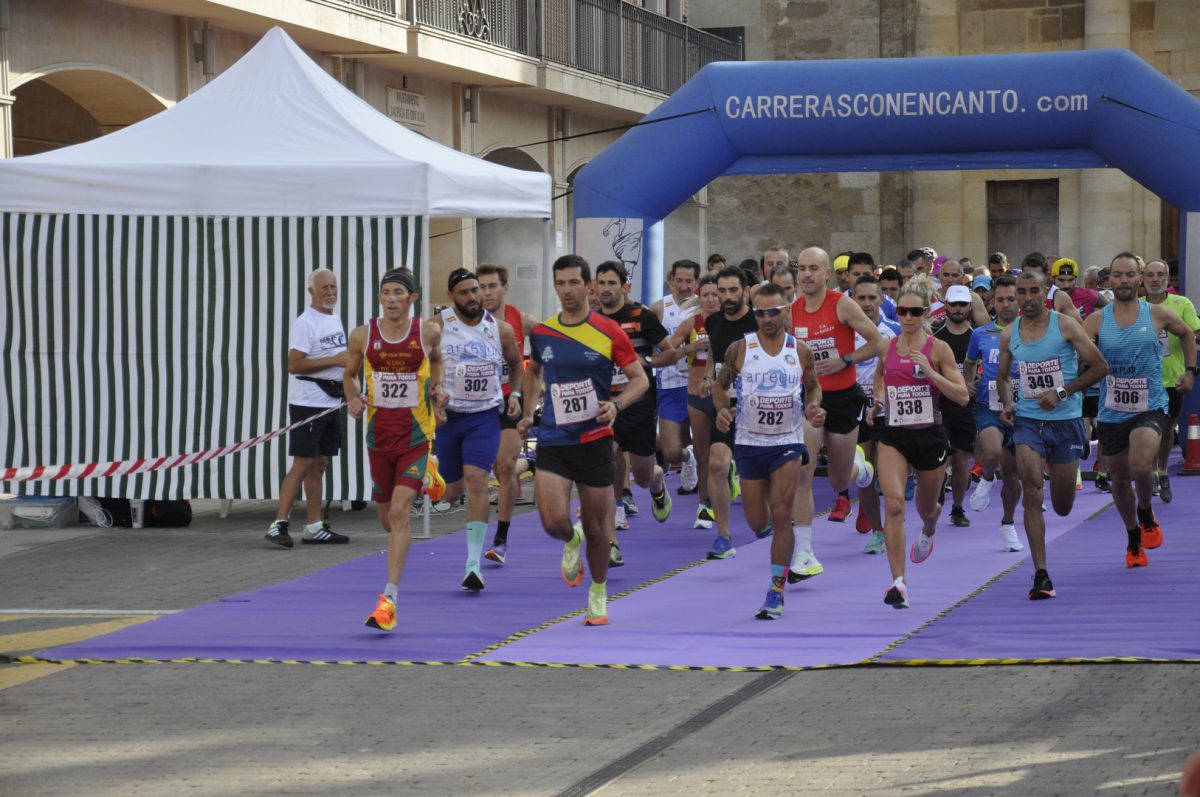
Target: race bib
(393, 391)
(1165, 342)
(770, 415)
(619, 379)
(1128, 394)
(1039, 377)
(994, 403)
(474, 381)
(822, 348)
(574, 402)
(910, 405)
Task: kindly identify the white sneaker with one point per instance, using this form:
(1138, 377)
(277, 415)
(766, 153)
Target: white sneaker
(622, 523)
(804, 566)
(981, 497)
(866, 473)
(688, 477)
(1012, 543)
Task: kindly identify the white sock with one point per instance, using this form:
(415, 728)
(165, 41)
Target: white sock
(390, 591)
(803, 538)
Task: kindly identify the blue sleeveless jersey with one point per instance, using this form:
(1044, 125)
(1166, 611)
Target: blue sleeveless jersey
(1041, 366)
(1134, 362)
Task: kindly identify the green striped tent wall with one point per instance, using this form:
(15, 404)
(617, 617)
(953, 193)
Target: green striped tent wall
(142, 336)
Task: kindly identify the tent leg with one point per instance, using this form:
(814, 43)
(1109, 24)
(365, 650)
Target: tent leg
(426, 312)
(548, 295)
(224, 511)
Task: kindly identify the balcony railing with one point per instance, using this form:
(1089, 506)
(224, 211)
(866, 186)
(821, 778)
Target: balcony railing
(605, 37)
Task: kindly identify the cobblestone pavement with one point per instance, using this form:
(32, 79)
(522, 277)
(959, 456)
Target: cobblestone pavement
(350, 730)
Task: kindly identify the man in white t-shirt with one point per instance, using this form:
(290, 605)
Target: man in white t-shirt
(316, 360)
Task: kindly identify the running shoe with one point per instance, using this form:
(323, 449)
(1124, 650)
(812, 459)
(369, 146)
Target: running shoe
(804, 566)
(597, 609)
(840, 511)
(1152, 534)
(772, 608)
(660, 505)
(384, 616)
(876, 543)
(896, 595)
(722, 548)
(862, 523)
(767, 532)
(689, 478)
(735, 485)
(976, 472)
(433, 484)
(1012, 543)
(1164, 489)
(959, 518)
(615, 559)
(473, 581)
(621, 522)
(1078, 478)
(631, 507)
(1043, 587)
(866, 472)
(1102, 483)
(921, 550)
(910, 487)
(1136, 558)
(1156, 487)
(572, 558)
(277, 533)
(319, 533)
(981, 496)
(497, 553)
(705, 517)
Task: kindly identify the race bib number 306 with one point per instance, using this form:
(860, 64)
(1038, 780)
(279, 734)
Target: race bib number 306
(1128, 394)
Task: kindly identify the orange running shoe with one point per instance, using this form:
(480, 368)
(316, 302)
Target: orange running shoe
(433, 484)
(1152, 534)
(976, 472)
(1138, 559)
(384, 616)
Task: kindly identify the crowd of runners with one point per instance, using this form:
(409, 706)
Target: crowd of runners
(905, 382)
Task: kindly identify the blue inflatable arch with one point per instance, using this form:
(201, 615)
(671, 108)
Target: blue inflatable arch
(1085, 109)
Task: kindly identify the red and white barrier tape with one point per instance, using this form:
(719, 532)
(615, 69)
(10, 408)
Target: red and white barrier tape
(101, 470)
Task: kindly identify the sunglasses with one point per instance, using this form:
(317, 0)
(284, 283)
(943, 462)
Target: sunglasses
(911, 311)
(769, 312)
(958, 304)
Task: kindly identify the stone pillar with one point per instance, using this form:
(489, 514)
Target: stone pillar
(935, 216)
(1106, 195)
(6, 97)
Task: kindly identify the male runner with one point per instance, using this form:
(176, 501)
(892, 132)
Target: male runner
(1047, 428)
(402, 403)
(478, 350)
(890, 280)
(1133, 402)
(958, 420)
(862, 264)
(826, 321)
(775, 383)
(672, 379)
(785, 278)
(1156, 277)
(577, 350)
(997, 264)
(951, 277)
(493, 288)
(1086, 301)
(995, 452)
(316, 358)
(1054, 301)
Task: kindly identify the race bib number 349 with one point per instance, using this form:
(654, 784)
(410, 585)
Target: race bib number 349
(1040, 376)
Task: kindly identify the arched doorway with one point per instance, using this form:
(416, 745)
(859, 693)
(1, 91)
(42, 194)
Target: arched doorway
(70, 106)
(515, 243)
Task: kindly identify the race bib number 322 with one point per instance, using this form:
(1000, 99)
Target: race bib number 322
(393, 391)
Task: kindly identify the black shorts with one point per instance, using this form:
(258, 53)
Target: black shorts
(637, 434)
(926, 448)
(507, 422)
(590, 464)
(866, 432)
(1174, 402)
(320, 438)
(959, 424)
(1114, 437)
(843, 409)
(1091, 405)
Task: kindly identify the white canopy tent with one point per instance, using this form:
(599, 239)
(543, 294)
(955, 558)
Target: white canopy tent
(151, 275)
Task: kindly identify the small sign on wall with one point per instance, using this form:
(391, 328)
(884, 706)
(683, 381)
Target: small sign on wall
(406, 107)
(597, 240)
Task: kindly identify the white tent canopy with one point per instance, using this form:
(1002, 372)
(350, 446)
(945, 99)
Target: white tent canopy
(273, 135)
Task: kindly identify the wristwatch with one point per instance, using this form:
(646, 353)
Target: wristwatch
(848, 359)
(1062, 393)
(1195, 369)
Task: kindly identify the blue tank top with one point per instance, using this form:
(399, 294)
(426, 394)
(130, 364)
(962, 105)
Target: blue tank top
(1042, 366)
(1133, 355)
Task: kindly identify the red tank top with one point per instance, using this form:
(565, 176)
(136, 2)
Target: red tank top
(399, 412)
(513, 316)
(828, 338)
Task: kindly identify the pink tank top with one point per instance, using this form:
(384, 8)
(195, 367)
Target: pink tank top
(910, 400)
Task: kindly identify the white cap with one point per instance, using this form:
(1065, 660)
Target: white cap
(958, 293)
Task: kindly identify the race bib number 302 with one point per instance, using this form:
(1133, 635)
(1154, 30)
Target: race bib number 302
(474, 381)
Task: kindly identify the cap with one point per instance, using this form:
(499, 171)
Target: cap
(459, 275)
(1064, 264)
(958, 293)
(841, 262)
(929, 252)
(982, 281)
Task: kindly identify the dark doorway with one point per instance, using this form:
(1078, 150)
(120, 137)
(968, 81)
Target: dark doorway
(1022, 217)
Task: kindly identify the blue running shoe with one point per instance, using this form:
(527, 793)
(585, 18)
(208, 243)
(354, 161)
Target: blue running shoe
(772, 608)
(910, 487)
(767, 532)
(722, 548)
